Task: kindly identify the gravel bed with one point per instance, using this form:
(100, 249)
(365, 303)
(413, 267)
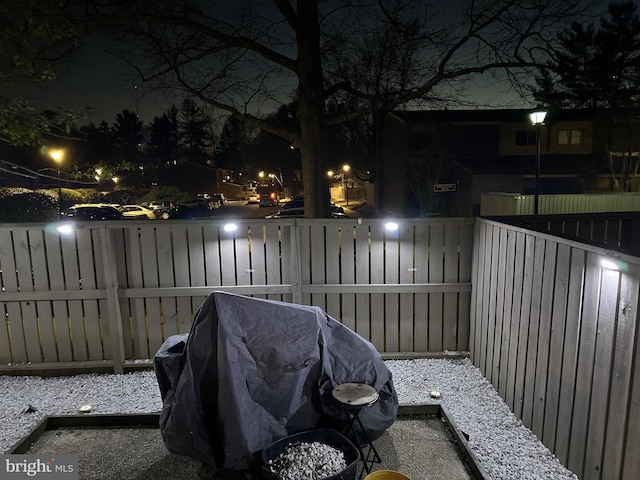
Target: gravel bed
(503, 445)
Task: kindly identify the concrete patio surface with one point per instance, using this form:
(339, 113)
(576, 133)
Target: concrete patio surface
(420, 446)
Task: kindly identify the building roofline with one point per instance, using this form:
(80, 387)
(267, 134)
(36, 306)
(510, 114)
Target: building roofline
(487, 115)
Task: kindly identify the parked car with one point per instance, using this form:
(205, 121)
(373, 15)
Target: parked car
(219, 199)
(160, 207)
(137, 211)
(88, 212)
(295, 208)
(185, 211)
(253, 198)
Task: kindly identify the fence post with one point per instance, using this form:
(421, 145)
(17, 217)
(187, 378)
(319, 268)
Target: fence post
(295, 264)
(113, 311)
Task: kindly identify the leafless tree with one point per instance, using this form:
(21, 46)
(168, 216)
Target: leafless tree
(247, 57)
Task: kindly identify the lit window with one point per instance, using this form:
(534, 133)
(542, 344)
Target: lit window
(570, 137)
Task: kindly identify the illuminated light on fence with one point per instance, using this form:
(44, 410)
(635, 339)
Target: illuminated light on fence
(610, 263)
(391, 226)
(65, 229)
(230, 227)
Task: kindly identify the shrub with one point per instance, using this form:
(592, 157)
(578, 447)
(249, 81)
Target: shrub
(28, 207)
(167, 194)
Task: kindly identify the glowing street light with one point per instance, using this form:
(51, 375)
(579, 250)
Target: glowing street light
(345, 184)
(58, 157)
(537, 120)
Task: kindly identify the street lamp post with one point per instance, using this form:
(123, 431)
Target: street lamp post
(57, 156)
(345, 184)
(537, 120)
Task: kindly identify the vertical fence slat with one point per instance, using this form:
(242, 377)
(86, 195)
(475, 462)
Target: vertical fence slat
(197, 275)
(421, 329)
(603, 355)
(88, 243)
(10, 283)
(586, 355)
(631, 464)
(476, 294)
(363, 310)
(28, 313)
(212, 245)
(305, 260)
(523, 330)
(451, 274)
(500, 329)
(180, 236)
(544, 337)
(6, 258)
(436, 275)
(150, 279)
(514, 343)
(334, 249)
(570, 354)
(485, 338)
(243, 259)
(46, 330)
(556, 344)
(507, 325)
(622, 412)
(348, 276)
(391, 300)
(534, 332)
(407, 275)
(139, 325)
(257, 257)
(465, 275)
(113, 331)
(73, 282)
(274, 244)
(318, 251)
(377, 277)
(164, 251)
(119, 239)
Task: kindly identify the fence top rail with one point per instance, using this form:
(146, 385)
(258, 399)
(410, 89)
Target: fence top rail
(244, 221)
(554, 217)
(571, 243)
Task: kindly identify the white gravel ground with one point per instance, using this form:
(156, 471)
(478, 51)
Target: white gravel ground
(505, 447)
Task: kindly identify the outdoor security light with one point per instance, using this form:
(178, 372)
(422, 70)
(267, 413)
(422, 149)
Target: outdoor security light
(615, 264)
(391, 226)
(65, 229)
(230, 227)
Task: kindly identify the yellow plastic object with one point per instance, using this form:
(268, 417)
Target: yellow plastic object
(386, 475)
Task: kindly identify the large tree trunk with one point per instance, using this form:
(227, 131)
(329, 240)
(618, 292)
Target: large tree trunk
(311, 112)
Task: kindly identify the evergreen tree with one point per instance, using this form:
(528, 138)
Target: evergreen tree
(128, 136)
(232, 144)
(194, 136)
(599, 68)
(163, 139)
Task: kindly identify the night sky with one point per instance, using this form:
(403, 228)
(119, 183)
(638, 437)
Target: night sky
(98, 80)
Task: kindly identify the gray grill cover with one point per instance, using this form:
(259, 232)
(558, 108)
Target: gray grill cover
(252, 371)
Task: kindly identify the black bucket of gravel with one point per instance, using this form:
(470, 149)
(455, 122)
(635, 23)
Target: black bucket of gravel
(313, 455)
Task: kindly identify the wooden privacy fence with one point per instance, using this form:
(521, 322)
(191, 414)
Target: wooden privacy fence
(500, 203)
(557, 336)
(108, 294)
(619, 231)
